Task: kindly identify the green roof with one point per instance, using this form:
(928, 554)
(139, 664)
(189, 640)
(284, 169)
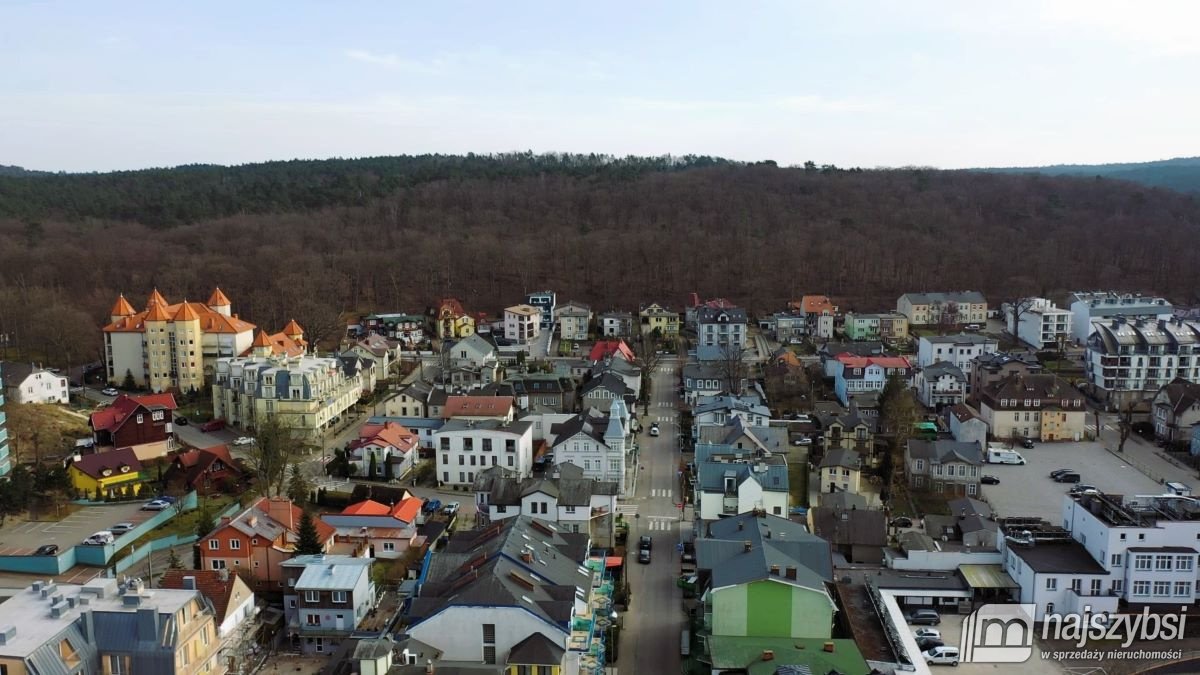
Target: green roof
(728, 652)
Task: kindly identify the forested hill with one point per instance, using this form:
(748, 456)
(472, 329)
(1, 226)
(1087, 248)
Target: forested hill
(186, 194)
(1182, 173)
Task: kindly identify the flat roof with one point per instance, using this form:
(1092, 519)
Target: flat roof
(986, 576)
(900, 579)
(1067, 557)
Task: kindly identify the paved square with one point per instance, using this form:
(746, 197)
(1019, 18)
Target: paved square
(1028, 490)
(23, 538)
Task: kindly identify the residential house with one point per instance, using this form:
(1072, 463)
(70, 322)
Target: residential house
(407, 329)
(819, 313)
(451, 321)
(1176, 410)
(765, 576)
(472, 607)
(966, 424)
(600, 392)
(171, 347)
(858, 535)
(1043, 407)
(384, 451)
(616, 324)
(259, 540)
(787, 327)
(108, 627)
(735, 433)
(545, 301)
(305, 393)
(565, 496)
(889, 326)
(499, 408)
(721, 333)
(605, 350)
(944, 467)
(574, 320)
(465, 447)
(522, 323)
(940, 384)
(846, 429)
(1091, 307)
(545, 391)
(412, 401)
(361, 370)
(988, 369)
(206, 470)
(5, 457)
(28, 383)
(858, 374)
(327, 597)
(655, 317)
(599, 444)
(629, 373)
(732, 480)
(720, 410)
(970, 523)
(841, 471)
(1038, 322)
(960, 350)
(377, 530)
(927, 309)
(143, 423)
(231, 599)
(786, 371)
(383, 351)
(694, 305)
(829, 351)
(1127, 363)
(106, 474)
(473, 362)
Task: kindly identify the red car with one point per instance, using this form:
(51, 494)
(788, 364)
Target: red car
(213, 425)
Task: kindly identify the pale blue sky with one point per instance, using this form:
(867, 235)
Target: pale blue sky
(116, 85)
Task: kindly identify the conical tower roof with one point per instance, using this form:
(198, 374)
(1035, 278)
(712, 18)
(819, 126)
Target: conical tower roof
(155, 298)
(292, 329)
(218, 299)
(186, 313)
(122, 307)
(260, 339)
(157, 312)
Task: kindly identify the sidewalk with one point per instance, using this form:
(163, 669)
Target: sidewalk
(1149, 459)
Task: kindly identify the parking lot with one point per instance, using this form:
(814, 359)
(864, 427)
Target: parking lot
(951, 629)
(1028, 490)
(23, 538)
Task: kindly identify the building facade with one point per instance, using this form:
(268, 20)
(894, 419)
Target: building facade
(926, 309)
(259, 539)
(574, 319)
(1040, 324)
(28, 383)
(1091, 307)
(522, 323)
(960, 350)
(721, 328)
(598, 444)
(1041, 407)
(889, 326)
(1127, 362)
(327, 597)
(656, 317)
(465, 447)
(545, 301)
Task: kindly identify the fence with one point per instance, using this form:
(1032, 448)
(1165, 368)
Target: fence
(100, 556)
(138, 554)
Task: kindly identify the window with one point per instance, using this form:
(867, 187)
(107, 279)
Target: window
(1051, 584)
(1095, 587)
(1183, 588)
(214, 544)
(339, 596)
(489, 654)
(312, 596)
(1162, 562)
(1162, 588)
(292, 603)
(234, 544)
(389, 546)
(1115, 560)
(919, 465)
(487, 445)
(489, 633)
(1122, 536)
(468, 444)
(510, 446)
(1183, 563)
(218, 564)
(971, 489)
(139, 418)
(68, 654)
(1141, 562)
(1118, 585)
(313, 619)
(1141, 588)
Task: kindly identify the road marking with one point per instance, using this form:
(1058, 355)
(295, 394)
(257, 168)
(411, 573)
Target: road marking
(627, 510)
(669, 494)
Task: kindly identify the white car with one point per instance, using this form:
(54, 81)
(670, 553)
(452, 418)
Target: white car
(243, 440)
(121, 528)
(109, 391)
(944, 655)
(927, 633)
(156, 505)
(100, 538)
(654, 429)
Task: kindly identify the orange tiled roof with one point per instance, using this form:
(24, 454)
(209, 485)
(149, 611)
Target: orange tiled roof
(477, 406)
(815, 304)
(157, 312)
(122, 307)
(852, 361)
(260, 339)
(408, 509)
(606, 348)
(218, 299)
(292, 328)
(186, 313)
(155, 298)
(450, 306)
(388, 433)
(279, 343)
(367, 507)
(210, 321)
(209, 583)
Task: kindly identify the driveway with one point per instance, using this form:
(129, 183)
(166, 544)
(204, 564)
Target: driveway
(1028, 490)
(951, 628)
(22, 538)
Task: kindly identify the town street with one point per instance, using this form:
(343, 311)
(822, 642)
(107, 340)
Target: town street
(651, 628)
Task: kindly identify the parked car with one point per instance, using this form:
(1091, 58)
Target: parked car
(989, 480)
(1058, 472)
(644, 556)
(121, 528)
(243, 440)
(181, 421)
(1082, 488)
(924, 617)
(109, 391)
(432, 506)
(156, 505)
(942, 656)
(925, 644)
(1027, 443)
(99, 538)
(1068, 477)
(928, 633)
(450, 508)
(902, 521)
(167, 498)
(645, 542)
(654, 429)
(803, 440)
(689, 552)
(47, 549)
(212, 425)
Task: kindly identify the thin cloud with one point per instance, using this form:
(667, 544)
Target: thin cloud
(394, 62)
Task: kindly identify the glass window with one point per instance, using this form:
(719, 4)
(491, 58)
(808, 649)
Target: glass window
(312, 596)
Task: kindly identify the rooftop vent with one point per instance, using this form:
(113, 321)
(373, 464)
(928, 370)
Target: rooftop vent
(8, 631)
(58, 609)
(746, 546)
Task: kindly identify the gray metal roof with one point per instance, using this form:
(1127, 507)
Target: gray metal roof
(960, 339)
(944, 451)
(842, 458)
(771, 477)
(936, 370)
(773, 541)
(968, 297)
(329, 572)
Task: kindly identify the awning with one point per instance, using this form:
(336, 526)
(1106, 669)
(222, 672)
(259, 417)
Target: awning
(986, 576)
(611, 560)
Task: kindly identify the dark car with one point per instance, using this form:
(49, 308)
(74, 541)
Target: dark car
(1068, 477)
(689, 552)
(924, 617)
(47, 549)
(902, 521)
(432, 506)
(925, 644)
(181, 421)
(213, 425)
(645, 543)
(1058, 472)
(644, 556)
(989, 480)
(1027, 443)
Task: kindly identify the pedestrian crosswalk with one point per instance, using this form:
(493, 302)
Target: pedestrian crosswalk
(1091, 428)
(665, 369)
(668, 494)
(627, 510)
(666, 404)
(660, 523)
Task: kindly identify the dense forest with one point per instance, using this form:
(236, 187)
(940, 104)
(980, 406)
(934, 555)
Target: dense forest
(1181, 173)
(312, 240)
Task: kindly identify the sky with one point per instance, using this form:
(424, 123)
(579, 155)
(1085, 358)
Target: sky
(97, 86)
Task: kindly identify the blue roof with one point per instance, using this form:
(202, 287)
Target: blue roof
(410, 422)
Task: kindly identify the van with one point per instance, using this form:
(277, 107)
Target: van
(972, 327)
(101, 538)
(944, 656)
(995, 456)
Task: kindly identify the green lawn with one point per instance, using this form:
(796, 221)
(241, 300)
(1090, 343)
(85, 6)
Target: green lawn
(183, 524)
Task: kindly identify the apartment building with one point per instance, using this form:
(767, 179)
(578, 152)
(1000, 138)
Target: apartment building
(1041, 407)
(1040, 324)
(819, 313)
(327, 597)
(259, 539)
(545, 301)
(1091, 307)
(960, 350)
(944, 467)
(656, 317)
(522, 323)
(574, 319)
(564, 496)
(889, 326)
(926, 309)
(464, 447)
(718, 328)
(1127, 362)
(596, 443)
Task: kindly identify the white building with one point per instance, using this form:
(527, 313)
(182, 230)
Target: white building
(1058, 577)
(596, 443)
(1040, 324)
(720, 410)
(27, 383)
(940, 384)
(522, 323)
(1128, 362)
(466, 447)
(1090, 307)
(730, 481)
(959, 350)
(719, 330)
(563, 496)
(573, 320)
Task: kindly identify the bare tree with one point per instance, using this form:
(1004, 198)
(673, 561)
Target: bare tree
(1124, 424)
(1013, 311)
(276, 446)
(732, 366)
(948, 319)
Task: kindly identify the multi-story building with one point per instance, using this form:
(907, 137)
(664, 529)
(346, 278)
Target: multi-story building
(574, 319)
(733, 480)
(889, 326)
(389, 448)
(451, 321)
(940, 384)
(701, 380)
(721, 333)
(859, 374)
(926, 309)
(989, 368)
(565, 496)
(720, 410)
(1091, 307)
(1042, 407)
(841, 471)
(961, 350)
(5, 460)
(1128, 362)
(375, 529)
(596, 443)
(544, 391)
(169, 346)
(231, 599)
(408, 329)
(465, 447)
(819, 313)
(28, 383)
(1176, 411)
(1058, 577)
(944, 467)
(545, 301)
(143, 423)
(259, 540)
(327, 597)
(110, 628)
(522, 323)
(656, 317)
(616, 324)
(1040, 322)
(305, 393)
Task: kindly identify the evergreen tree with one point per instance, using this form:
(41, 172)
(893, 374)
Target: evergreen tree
(196, 562)
(307, 543)
(173, 561)
(374, 466)
(128, 383)
(299, 489)
(204, 523)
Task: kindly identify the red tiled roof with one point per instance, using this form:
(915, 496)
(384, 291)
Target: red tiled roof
(260, 339)
(94, 465)
(112, 417)
(852, 361)
(155, 298)
(209, 583)
(122, 307)
(218, 299)
(293, 328)
(408, 509)
(196, 462)
(157, 312)
(388, 433)
(451, 306)
(210, 321)
(367, 507)
(186, 313)
(477, 406)
(815, 304)
(606, 348)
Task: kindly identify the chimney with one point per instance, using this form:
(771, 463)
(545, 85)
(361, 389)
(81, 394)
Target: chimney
(189, 583)
(774, 570)
(429, 667)
(280, 510)
(768, 655)
(527, 556)
(790, 572)
(828, 646)
(746, 545)
(225, 520)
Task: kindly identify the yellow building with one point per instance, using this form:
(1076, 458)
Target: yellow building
(656, 316)
(105, 473)
(452, 321)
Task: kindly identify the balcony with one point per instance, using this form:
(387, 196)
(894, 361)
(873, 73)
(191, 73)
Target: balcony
(588, 628)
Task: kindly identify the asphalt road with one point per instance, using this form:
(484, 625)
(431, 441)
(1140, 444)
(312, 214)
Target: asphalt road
(651, 628)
